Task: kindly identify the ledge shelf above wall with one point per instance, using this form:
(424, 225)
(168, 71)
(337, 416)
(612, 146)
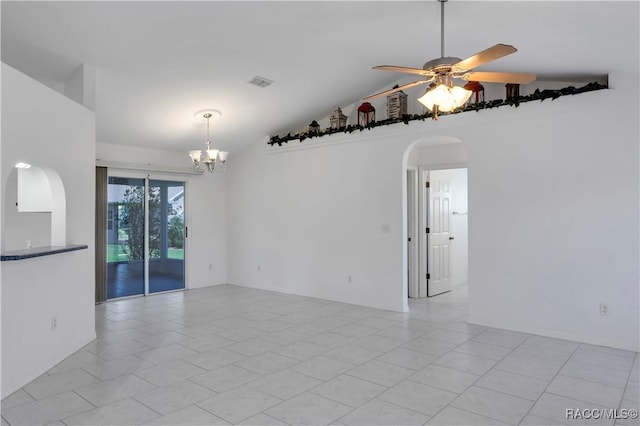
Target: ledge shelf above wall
(40, 252)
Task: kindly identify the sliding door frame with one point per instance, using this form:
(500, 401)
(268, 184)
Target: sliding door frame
(147, 176)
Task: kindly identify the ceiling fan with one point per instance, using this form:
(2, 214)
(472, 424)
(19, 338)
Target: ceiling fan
(441, 71)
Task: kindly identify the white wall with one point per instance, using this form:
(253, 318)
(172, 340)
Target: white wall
(553, 224)
(310, 218)
(206, 214)
(440, 157)
(40, 126)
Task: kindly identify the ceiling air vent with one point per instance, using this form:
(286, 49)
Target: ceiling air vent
(260, 81)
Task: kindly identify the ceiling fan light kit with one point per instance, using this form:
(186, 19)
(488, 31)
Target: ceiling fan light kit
(210, 159)
(443, 95)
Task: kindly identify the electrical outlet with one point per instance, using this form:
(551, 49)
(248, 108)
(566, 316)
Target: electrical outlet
(210, 266)
(604, 309)
(54, 323)
(259, 268)
(349, 278)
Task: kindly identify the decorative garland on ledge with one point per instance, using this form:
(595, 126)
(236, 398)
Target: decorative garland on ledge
(540, 95)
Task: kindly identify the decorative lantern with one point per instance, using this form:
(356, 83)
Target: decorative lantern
(477, 92)
(513, 90)
(314, 128)
(337, 119)
(366, 114)
(396, 104)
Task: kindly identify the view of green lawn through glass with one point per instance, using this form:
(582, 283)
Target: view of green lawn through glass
(119, 253)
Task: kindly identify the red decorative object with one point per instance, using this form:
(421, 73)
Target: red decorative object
(477, 95)
(366, 114)
(513, 90)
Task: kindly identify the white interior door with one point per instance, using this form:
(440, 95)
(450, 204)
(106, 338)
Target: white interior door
(439, 237)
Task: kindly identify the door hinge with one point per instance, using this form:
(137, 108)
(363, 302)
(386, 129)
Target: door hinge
(426, 184)
(428, 276)
(409, 239)
(186, 231)
(426, 230)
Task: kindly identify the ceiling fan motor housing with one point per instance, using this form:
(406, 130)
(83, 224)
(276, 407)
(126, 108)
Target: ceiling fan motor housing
(440, 65)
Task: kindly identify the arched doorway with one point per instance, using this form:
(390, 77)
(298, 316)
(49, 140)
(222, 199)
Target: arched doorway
(424, 160)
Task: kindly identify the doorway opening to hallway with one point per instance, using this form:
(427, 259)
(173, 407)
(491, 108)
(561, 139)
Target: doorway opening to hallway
(437, 229)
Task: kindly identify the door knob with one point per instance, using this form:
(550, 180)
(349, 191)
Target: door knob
(451, 238)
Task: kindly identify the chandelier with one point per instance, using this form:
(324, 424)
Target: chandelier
(444, 96)
(210, 159)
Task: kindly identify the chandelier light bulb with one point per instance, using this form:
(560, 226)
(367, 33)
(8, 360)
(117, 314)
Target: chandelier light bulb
(195, 155)
(211, 155)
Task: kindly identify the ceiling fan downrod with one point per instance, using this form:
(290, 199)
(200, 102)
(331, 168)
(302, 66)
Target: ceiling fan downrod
(441, 65)
(442, 2)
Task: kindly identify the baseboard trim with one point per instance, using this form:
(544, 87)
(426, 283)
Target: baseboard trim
(616, 344)
(46, 365)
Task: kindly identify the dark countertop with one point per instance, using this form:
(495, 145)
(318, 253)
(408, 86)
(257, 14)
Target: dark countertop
(40, 251)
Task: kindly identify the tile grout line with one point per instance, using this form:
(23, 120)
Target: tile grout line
(85, 411)
(480, 377)
(145, 405)
(387, 402)
(635, 359)
(549, 384)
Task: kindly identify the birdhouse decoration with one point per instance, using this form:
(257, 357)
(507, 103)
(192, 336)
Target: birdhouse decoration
(337, 119)
(477, 92)
(396, 104)
(513, 90)
(366, 114)
(314, 128)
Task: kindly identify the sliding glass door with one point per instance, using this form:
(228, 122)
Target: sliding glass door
(145, 236)
(166, 235)
(125, 237)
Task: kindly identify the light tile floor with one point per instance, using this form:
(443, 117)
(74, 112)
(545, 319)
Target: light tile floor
(233, 355)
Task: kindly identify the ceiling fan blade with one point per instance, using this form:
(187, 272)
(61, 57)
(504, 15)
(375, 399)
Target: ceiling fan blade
(396, 89)
(499, 77)
(488, 55)
(408, 70)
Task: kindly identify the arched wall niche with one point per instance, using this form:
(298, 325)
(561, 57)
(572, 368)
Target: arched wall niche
(34, 209)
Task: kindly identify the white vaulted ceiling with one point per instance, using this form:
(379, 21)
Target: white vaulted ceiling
(159, 62)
